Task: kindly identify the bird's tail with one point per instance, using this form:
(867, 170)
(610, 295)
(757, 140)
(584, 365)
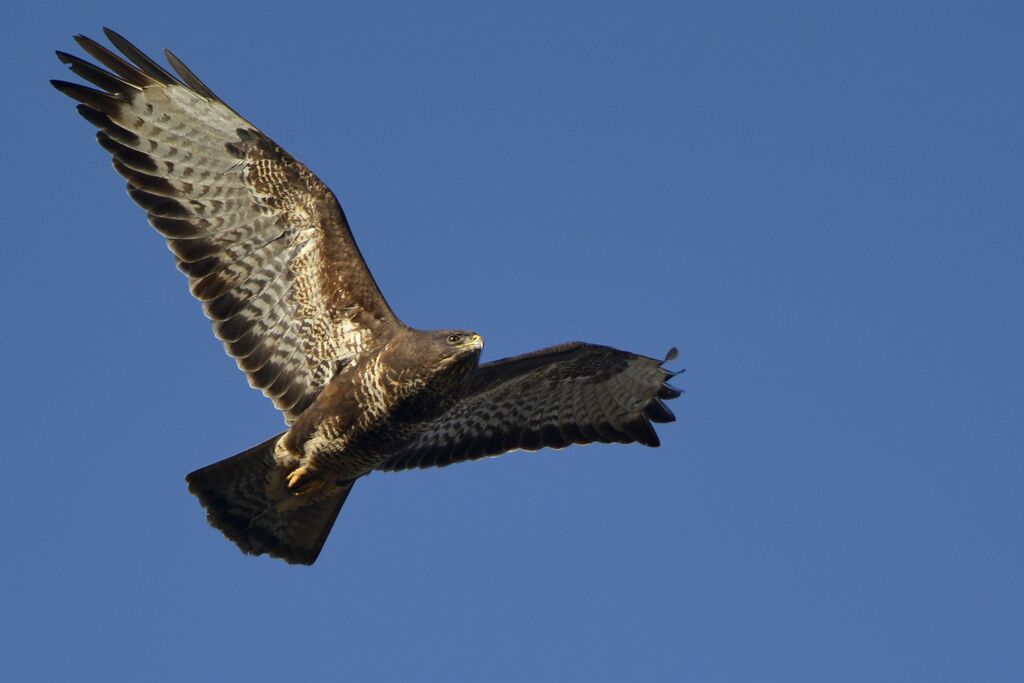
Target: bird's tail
(246, 497)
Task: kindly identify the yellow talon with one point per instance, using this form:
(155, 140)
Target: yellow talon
(302, 482)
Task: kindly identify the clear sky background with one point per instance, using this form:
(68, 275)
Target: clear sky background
(820, 205)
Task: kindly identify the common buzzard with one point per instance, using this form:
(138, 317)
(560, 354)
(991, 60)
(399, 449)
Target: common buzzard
(267, 250)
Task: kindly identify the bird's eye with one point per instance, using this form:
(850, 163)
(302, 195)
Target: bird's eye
(454, 338)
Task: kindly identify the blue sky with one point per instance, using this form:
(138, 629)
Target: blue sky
(820, 205)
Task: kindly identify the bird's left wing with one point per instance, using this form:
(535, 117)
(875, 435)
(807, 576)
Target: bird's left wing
(263, 241)
(573, 393)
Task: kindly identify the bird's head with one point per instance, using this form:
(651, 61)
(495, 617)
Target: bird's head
(448, 350)
(453, 345)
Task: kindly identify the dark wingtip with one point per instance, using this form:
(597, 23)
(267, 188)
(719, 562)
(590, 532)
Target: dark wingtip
(668, 391)
(106, 80)
(111, 34)
(657, 411)
(84, 42)
(186, 75)
(140, 59)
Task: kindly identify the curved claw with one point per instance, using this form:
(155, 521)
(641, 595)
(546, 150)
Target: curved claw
(301, 481)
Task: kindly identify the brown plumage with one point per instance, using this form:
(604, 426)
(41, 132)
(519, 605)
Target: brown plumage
(268, 251)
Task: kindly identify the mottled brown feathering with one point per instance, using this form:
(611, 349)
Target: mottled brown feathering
(264, 243)
(268, 252)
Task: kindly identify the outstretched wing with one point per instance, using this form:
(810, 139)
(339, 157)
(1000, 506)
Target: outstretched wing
(572, 393)
(264, 243)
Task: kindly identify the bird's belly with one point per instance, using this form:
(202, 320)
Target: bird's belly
(349, 456)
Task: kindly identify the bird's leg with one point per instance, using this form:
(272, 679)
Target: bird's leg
(303, 481)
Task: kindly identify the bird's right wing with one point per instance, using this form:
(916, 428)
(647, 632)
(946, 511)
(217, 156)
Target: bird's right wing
(263, 241)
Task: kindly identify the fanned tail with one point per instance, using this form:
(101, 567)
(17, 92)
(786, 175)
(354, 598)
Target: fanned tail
(246, 498)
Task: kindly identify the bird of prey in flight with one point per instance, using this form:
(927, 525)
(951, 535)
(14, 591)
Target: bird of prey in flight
(267, 250)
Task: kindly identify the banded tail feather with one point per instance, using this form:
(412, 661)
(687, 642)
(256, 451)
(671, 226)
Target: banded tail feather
(247, 499)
